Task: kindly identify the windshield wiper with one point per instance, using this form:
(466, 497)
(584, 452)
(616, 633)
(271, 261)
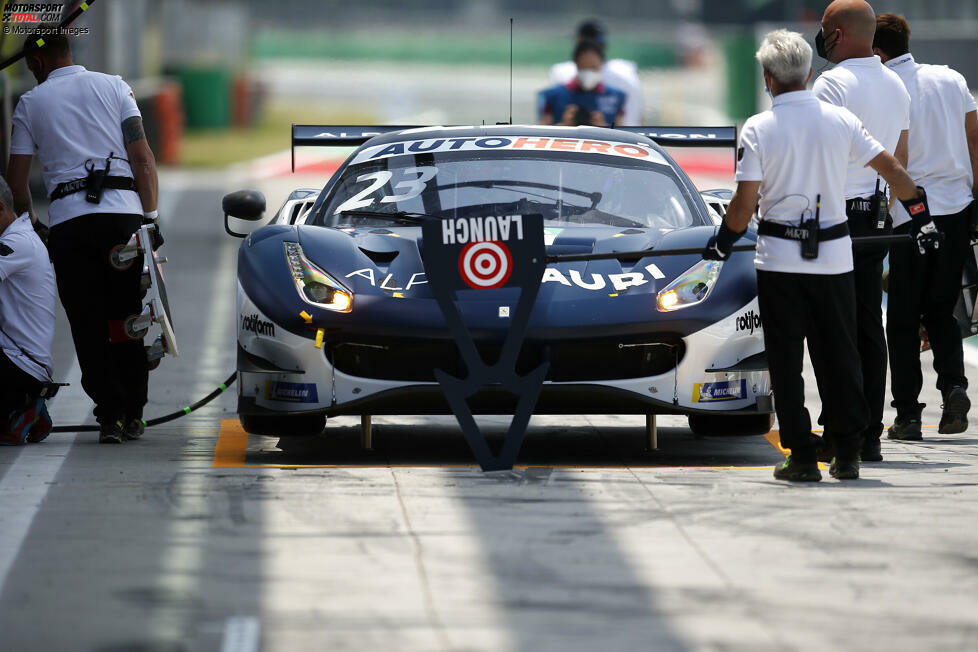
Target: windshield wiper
(408, 217)
(595, 197)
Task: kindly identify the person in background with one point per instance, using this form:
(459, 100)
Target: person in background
(617, 73)
(586, 99)
(943, 156)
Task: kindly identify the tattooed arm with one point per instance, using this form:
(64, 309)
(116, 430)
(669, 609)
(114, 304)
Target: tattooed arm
(142, 161)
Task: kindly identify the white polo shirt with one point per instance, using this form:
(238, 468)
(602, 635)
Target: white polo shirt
(74, 116)
(802, 148)
(939, 160)
(878, 98)
(27, 292)
(617, 73)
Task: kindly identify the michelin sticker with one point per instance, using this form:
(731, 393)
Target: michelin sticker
(291, 392)
(726, 390)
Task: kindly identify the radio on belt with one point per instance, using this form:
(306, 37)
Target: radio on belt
(95, 181)
(809, 243)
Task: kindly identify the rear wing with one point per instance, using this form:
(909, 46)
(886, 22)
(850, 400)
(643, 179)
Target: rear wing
(356, 135)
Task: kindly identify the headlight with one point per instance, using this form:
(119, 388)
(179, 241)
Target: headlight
(315, 286)
(691, 287)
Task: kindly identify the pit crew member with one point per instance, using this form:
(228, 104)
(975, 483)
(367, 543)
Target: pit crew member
(943, 157)
(26, 326)
(87, 132)
(860, 83)
(796, 155)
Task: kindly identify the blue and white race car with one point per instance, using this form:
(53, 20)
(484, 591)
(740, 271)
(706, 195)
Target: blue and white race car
(336, 316)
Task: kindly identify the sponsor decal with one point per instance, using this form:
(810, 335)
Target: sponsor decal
(917, 208)
(749, 321)
(257, 325)
(511, 143)
(725, 390)
(291, 392)
(594, 282)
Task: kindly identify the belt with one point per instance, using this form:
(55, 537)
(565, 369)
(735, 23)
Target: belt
(78, 185)
(790, 232)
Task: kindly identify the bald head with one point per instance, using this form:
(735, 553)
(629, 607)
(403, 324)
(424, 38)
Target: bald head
(855, 21)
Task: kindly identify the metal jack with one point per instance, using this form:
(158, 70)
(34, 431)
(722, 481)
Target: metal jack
(651, 433)
(366, 432)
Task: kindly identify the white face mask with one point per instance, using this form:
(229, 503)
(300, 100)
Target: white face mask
(588, 79)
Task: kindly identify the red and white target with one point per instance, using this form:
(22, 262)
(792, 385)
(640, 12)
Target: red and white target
(485, 265)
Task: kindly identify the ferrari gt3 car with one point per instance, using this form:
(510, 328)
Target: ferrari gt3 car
(336, 315)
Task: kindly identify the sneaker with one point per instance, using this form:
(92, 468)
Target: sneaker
(905, 429)
(42, 427)
(111, 432)
(871, 451)
(134, 429)
(796, 471)
(18, 425)
(826, 451)
(955, 416)
(844, 470)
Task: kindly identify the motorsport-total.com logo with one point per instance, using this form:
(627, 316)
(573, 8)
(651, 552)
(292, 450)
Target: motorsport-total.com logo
(21, 18)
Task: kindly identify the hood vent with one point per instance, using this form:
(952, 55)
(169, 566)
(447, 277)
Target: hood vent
(380, 257)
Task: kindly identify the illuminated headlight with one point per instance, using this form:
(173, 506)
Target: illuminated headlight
(315, 286)
(691, 287)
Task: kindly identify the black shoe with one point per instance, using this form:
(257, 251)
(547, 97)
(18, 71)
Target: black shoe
(826, 451)
(871, 451)
(905, 429)
(955, 416)
(134, 429)
(111, 432)
(844, 470)
(796, 471)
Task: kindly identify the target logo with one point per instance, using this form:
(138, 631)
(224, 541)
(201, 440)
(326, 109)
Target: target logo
(485, 265)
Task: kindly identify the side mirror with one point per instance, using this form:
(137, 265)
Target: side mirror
(244, 205)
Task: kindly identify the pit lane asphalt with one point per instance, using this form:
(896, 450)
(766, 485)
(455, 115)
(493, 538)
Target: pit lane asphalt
(596, 545)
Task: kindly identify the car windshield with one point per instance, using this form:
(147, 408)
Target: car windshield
(578, 188)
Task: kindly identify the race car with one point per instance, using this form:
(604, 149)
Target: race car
(336, 315)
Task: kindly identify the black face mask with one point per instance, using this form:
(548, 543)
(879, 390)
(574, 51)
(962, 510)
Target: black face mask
(820, 45)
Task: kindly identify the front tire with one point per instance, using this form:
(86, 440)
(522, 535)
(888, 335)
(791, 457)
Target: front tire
(730, 425)
(305, 425)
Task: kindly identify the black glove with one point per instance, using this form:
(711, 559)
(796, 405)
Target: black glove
(719, 246)
(923, 229)
(155, 235)
(42, 231)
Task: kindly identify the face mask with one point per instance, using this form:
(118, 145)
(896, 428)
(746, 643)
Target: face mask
(589, 79)
(820, 47)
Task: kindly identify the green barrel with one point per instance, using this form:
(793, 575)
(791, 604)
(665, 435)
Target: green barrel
(206, 97)
(739, 48)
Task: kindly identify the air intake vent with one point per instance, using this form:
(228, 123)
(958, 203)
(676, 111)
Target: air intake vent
(380, 257)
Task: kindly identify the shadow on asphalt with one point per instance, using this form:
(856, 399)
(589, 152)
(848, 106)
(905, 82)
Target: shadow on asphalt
(585, 446)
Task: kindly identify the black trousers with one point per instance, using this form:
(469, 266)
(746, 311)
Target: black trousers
(870, 335)
(821, 309)
(17, 389)
(925, 289)
(94, 293)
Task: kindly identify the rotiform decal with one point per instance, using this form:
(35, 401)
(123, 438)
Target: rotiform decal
(749, 321)
(257, 325)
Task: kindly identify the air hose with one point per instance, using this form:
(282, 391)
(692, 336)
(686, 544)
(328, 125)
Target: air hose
(166, 417)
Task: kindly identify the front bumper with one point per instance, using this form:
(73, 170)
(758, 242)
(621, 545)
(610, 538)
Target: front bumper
(299, 378)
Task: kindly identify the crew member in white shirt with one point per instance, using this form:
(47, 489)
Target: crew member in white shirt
(943, 157)
(26, 326)
(100, 173)
(796, 157)
(861, 83)
(616, 73)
